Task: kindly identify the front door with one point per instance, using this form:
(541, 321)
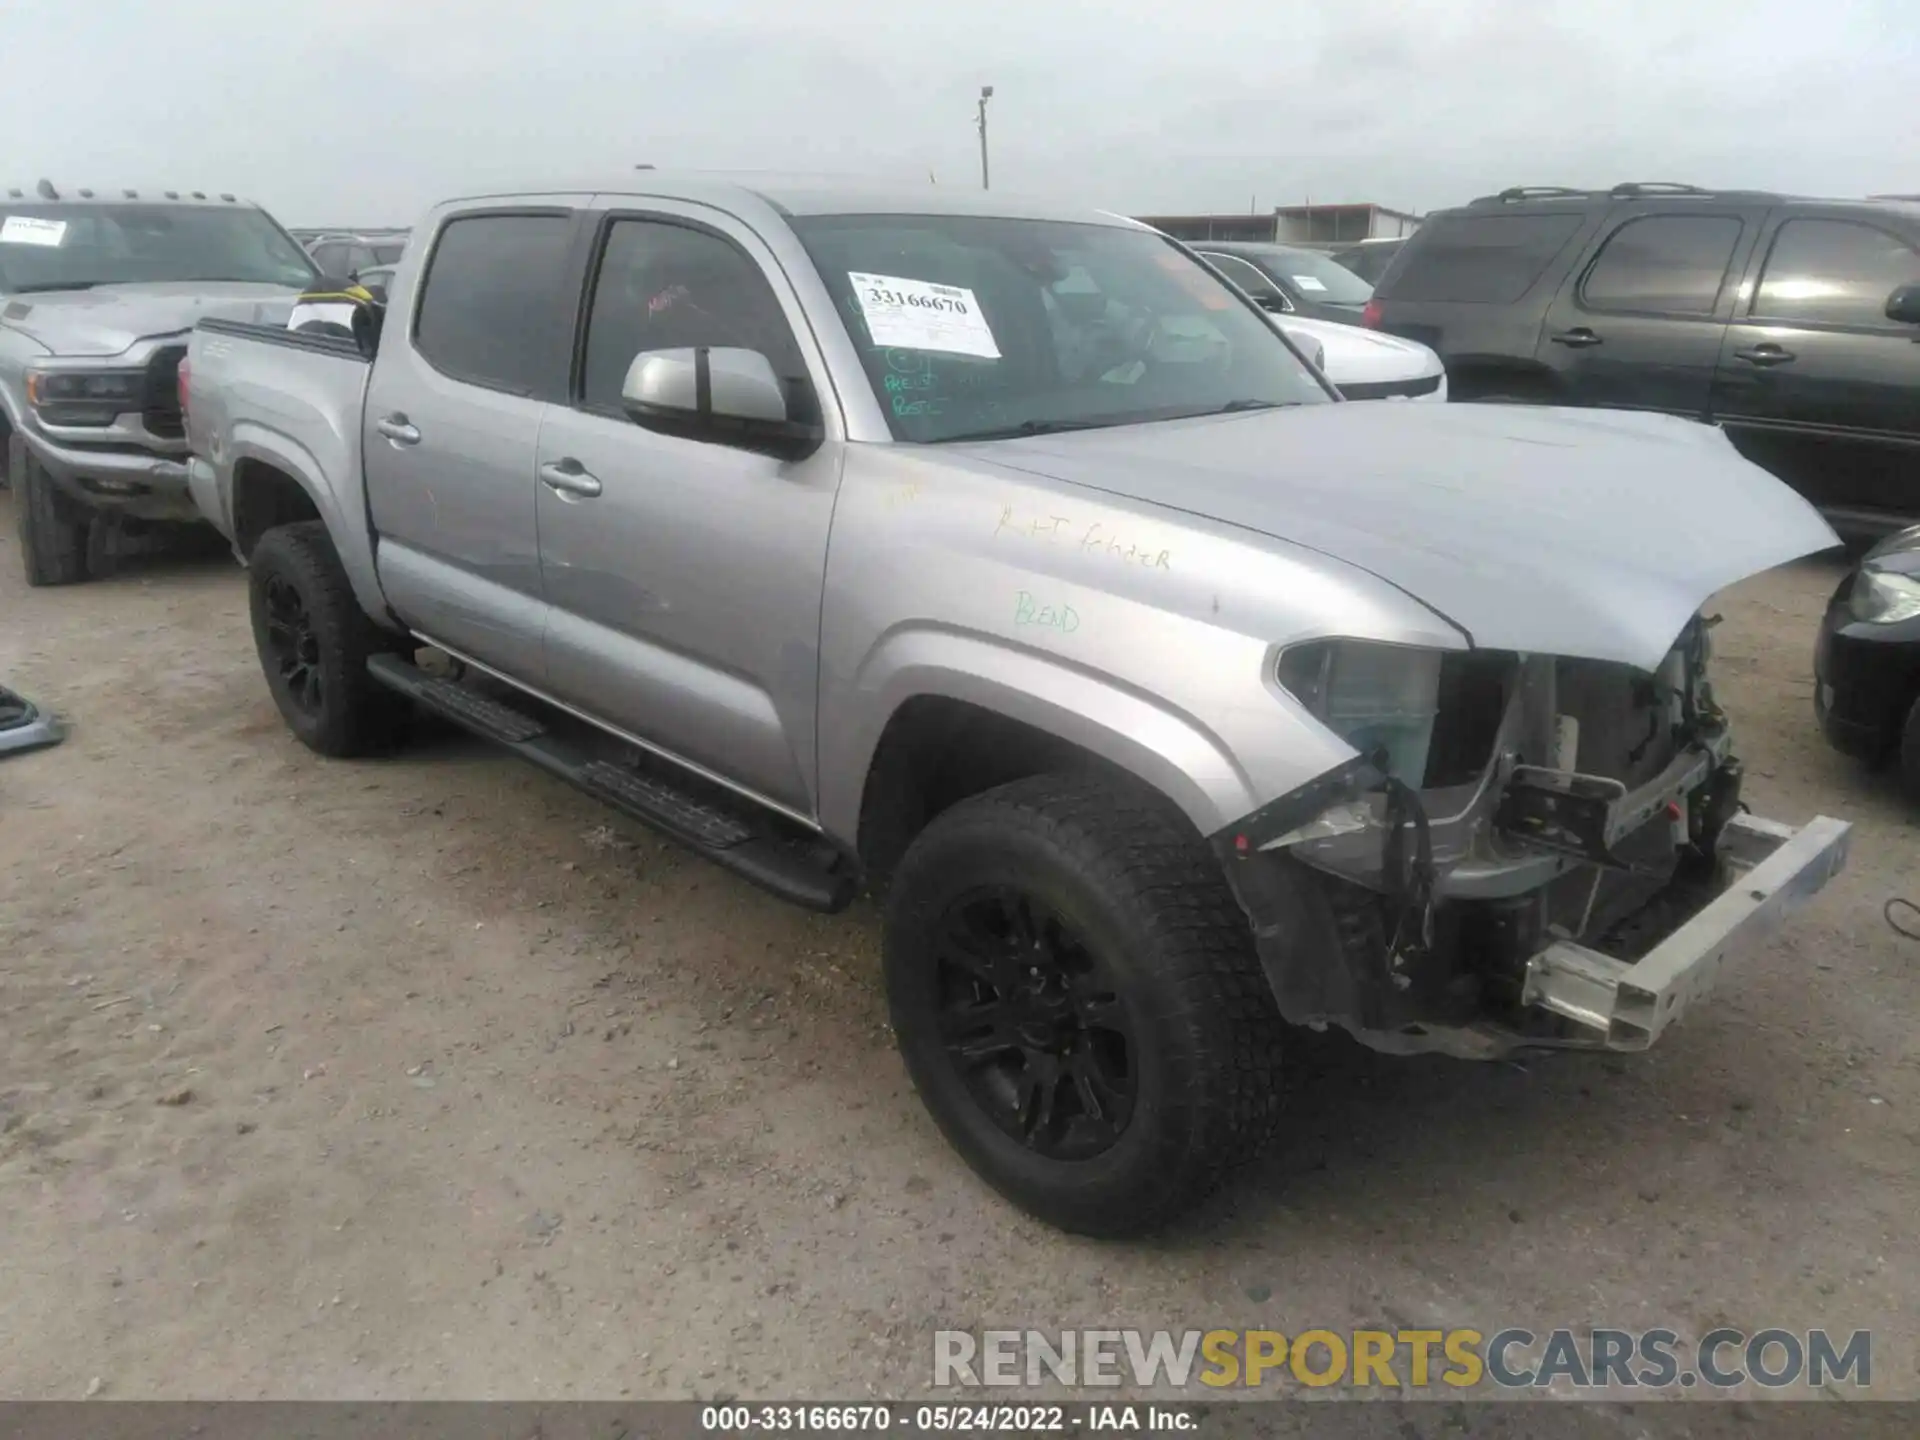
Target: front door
(1637, 326)
(684, 576)
(1816, 383)
(453, 414)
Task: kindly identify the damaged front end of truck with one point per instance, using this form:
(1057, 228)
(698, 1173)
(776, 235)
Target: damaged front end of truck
(1525, 850)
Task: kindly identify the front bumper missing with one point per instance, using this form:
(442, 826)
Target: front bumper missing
(1617, 1005)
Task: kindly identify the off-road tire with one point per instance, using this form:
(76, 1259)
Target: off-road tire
(1139, 886)
(53, 525)
(1910, 754)
(353, 714)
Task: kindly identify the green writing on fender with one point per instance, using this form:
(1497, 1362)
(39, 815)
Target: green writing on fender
(1028, 611)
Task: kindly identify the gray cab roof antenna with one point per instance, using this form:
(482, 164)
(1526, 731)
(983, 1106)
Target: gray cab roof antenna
(131, 194)
(226, 197)
(46, 190)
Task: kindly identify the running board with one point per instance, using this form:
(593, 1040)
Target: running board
(806, 872)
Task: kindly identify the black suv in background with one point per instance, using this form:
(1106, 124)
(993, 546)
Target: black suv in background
(1792, 323)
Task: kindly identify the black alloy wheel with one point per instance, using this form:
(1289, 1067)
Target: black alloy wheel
(1031, 1019)
(293, 647)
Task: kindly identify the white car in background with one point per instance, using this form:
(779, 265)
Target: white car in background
(1366, 364)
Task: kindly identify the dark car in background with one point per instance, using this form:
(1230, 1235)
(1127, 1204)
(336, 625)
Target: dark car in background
(1369, 258)
(1288, 280)
(1790, 322)
(1867, 662)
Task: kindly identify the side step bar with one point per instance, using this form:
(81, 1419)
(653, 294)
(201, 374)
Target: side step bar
(803, 872)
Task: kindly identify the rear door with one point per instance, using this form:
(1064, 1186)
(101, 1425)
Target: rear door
(452, 423)
(1815, 383)
(685, 576)
(1638, 323)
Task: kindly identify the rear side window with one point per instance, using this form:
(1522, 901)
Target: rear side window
(492, 299)
(1663, 265)
(1247, 276)
(1834, 272)
(1479, 259)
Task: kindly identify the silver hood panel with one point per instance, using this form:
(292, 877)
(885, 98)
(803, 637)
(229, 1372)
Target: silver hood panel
(1568, 532)
(111, 319)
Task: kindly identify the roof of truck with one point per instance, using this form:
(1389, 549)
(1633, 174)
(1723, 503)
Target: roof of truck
(800, 194)
(115, 195)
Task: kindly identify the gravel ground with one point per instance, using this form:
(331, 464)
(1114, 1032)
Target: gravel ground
(428, 1078)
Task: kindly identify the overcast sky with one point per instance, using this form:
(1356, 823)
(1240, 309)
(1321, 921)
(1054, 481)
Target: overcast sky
(351, 112)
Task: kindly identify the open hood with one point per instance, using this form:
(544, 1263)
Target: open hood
(1567, 532)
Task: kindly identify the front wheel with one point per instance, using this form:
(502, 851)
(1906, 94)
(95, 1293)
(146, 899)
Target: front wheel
(314, 640)
(1077, 998)
(53, 525)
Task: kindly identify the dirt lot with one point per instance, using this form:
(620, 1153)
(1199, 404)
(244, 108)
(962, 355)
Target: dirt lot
(427, 1078)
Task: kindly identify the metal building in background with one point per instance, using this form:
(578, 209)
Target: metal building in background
(1312, 225)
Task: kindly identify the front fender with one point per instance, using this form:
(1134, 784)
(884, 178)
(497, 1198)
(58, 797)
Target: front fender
(1171, 751)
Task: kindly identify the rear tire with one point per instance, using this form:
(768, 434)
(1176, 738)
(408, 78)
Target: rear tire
(1104, 1053)
(53, 525)
(314, 641)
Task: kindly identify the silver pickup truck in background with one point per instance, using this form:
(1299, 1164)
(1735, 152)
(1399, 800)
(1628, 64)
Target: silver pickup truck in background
(1008, 562)
(97, 294)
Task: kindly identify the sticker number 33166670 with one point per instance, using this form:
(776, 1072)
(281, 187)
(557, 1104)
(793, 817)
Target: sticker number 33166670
(918, 315)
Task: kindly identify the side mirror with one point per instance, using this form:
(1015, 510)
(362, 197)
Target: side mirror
(717, 394)
(1273, 300)
(1904, 305)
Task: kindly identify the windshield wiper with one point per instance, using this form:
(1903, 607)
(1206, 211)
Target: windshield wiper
(45, 285)
(1032, 427)
(1235, 407)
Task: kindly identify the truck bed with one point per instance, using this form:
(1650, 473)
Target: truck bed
(264, 395)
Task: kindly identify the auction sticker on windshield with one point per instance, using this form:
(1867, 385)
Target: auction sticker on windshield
(32, 230)
(918, 315)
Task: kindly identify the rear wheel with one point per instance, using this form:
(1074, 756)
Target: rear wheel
(53, 525)
(314, 640)
(1077, 998)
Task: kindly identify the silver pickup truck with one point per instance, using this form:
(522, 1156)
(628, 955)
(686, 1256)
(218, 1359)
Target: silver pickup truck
(1007, 562)
(97, 294)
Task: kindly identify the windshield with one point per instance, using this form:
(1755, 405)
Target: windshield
(59, 247)
(1311, 275)
(975, 327)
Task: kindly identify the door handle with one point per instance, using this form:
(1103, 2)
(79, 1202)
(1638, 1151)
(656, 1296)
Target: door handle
(1764, 354)
(1577, 338)
(566, 477)
(396, 429)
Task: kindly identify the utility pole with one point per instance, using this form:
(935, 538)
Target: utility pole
(986, 94)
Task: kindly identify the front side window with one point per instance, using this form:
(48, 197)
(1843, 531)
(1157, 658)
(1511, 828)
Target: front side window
(980, 327)
(1834, 272)
(663, 286)
(492, 298)
(1663, 265)
(82, 245)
